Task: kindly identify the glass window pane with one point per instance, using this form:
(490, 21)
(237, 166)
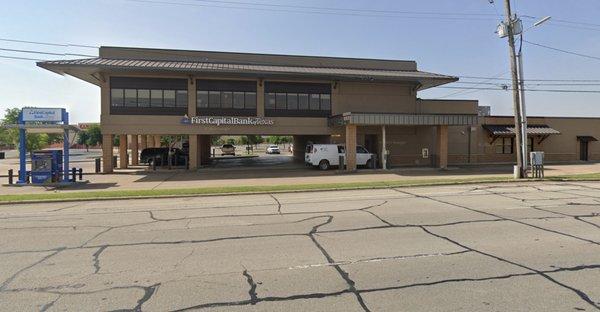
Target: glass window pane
(314, 101)
(226, 99)
(214, 99)
(143, 98)
(238, 100)
(325, 102)
(169, 98)
(292, 101)
(270, 101)
(156, 98)
(181, 98)
(130, 97)
(250, 100)
(202, 99)
(281, 102)
(116, 97)
(303, 101)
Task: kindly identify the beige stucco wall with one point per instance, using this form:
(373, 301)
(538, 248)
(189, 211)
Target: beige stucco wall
(373, 97)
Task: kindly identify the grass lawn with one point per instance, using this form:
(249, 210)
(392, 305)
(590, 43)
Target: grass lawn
(116, 194)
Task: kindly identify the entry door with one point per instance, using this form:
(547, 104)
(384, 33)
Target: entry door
(583, 151)
(371, 143)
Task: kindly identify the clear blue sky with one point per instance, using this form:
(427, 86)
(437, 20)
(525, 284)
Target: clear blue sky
(464, 47)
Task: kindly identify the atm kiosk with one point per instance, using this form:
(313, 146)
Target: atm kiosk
(46, 166)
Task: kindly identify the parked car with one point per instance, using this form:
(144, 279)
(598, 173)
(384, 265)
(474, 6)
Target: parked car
(160, 156)
(227, 149)
(324, 156)
(273, 149)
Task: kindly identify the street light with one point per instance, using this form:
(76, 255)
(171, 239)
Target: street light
(524, 138)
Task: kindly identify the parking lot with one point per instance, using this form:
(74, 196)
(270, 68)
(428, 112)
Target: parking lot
(509, 247)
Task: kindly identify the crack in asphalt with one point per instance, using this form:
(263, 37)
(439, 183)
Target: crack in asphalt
(22, 270)
(576, 217)
(345, 276)
(96, 260)
(579, 293)
(278, 203)
(252, 291)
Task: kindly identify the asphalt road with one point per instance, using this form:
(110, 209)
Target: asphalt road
(503, 247)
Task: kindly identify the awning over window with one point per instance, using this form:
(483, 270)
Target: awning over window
(390, 119)
(586, 138)
(509, 130)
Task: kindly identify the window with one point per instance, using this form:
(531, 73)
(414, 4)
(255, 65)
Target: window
(169, 98)
(143, 98)
(292, 101)
(361, 150)
(325, 102)
(504, 145)
(202, 99)
(270, 101)
(315, 101)
(250, 100)
(303, 101)
(116, 97)
(130, 97)
(156, 98)
(181, 98)
(280, 101)
(148, 96)
(238, 100)
(226, 100)
(214, 99)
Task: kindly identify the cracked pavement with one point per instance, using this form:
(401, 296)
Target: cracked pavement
(486, 247)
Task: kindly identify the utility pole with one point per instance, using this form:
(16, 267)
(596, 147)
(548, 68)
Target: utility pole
(519, 170)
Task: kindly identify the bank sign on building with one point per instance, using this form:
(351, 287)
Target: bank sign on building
(368, 102)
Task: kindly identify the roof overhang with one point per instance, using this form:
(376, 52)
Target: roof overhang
(381, 119)
(542, 132)
(92, 70)
(586, 138)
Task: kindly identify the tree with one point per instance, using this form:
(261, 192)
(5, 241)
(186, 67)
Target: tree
(94, 135)
(10, 137)
(83, 138)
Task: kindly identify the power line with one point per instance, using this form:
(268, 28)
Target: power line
(20, 58)
(50, 43)
(563, 51)
(529, 84)
(46, 53)
(388, 14)
(554, 80)
(534, 90)
(469, 92)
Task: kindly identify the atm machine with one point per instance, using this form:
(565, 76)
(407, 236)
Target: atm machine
(46, 166)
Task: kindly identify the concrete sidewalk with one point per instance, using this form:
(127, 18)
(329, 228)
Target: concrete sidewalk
(141, 179)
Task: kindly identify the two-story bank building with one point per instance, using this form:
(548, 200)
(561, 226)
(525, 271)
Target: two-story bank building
(146, 93)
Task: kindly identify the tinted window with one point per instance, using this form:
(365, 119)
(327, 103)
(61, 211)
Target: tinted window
(270, 101)
(156, 98)
(250, 99)
(143, 98)
(238, 100)
(361, 150)
(130, 97)
(202, 99)
(303, 101)
(169, 98)
(325, 102)
(116, 97)
(314, 101)
(181, 98)
(214, 99)
(281, 101)
(226, 99)
(292, 101)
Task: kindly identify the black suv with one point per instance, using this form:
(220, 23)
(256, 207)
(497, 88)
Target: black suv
(160, 156)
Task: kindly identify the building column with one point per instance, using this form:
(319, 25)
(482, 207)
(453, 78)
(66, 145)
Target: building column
(157, 140)
(135, 157)
(107, 153)
(442, 146)
(350, 147)
(383, 149)
(194, 155)
(123, 151)
(205, 152)
(150, 140)
(260, 98)
(143, 142)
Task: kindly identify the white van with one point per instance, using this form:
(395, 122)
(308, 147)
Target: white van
(326, 155)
